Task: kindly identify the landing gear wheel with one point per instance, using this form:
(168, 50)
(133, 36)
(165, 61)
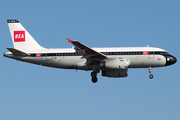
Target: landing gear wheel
(151, 76)
(94, 79)
(93, 74)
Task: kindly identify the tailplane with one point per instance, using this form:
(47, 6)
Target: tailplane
(17, 52)
(21, 39)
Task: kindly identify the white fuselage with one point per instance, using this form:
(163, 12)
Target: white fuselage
(66, 58)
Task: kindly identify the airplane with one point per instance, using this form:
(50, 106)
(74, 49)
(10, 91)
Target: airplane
(112, 62)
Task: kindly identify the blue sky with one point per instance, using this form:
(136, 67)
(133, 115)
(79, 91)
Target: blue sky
(32, 92)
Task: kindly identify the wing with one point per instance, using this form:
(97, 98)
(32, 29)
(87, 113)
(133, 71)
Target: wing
(86, 52)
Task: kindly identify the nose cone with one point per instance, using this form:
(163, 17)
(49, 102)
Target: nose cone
(170, 60)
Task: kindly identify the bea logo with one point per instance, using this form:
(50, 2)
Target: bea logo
(19, 36)
(145, 52)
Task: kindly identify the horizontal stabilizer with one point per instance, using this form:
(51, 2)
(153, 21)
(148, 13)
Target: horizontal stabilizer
(17, 52)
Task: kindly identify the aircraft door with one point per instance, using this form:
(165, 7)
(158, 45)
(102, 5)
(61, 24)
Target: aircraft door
(43, 55)
(150, 53)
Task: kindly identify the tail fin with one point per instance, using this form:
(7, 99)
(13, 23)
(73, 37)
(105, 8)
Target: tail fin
(22, 40)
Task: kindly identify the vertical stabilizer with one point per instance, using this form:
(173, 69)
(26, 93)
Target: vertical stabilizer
(21, 39)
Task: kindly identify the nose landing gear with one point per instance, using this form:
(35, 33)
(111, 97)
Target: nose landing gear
(151, 75)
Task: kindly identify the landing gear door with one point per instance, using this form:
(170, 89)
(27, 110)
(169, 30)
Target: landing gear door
(43, 55)
(150, 53)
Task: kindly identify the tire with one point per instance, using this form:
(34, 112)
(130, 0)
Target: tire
(93, 74)
(151, 76)
(94, 79)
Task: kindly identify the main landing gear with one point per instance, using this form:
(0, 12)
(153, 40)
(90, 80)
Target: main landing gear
(94, 77)
(151, 75)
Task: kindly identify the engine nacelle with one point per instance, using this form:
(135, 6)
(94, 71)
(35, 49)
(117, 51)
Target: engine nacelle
(115, 73)
(117, 63)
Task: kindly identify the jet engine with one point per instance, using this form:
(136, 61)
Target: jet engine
(115, 73)
(116, 63)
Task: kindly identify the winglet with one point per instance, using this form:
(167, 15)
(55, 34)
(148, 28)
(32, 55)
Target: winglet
(69, 40)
